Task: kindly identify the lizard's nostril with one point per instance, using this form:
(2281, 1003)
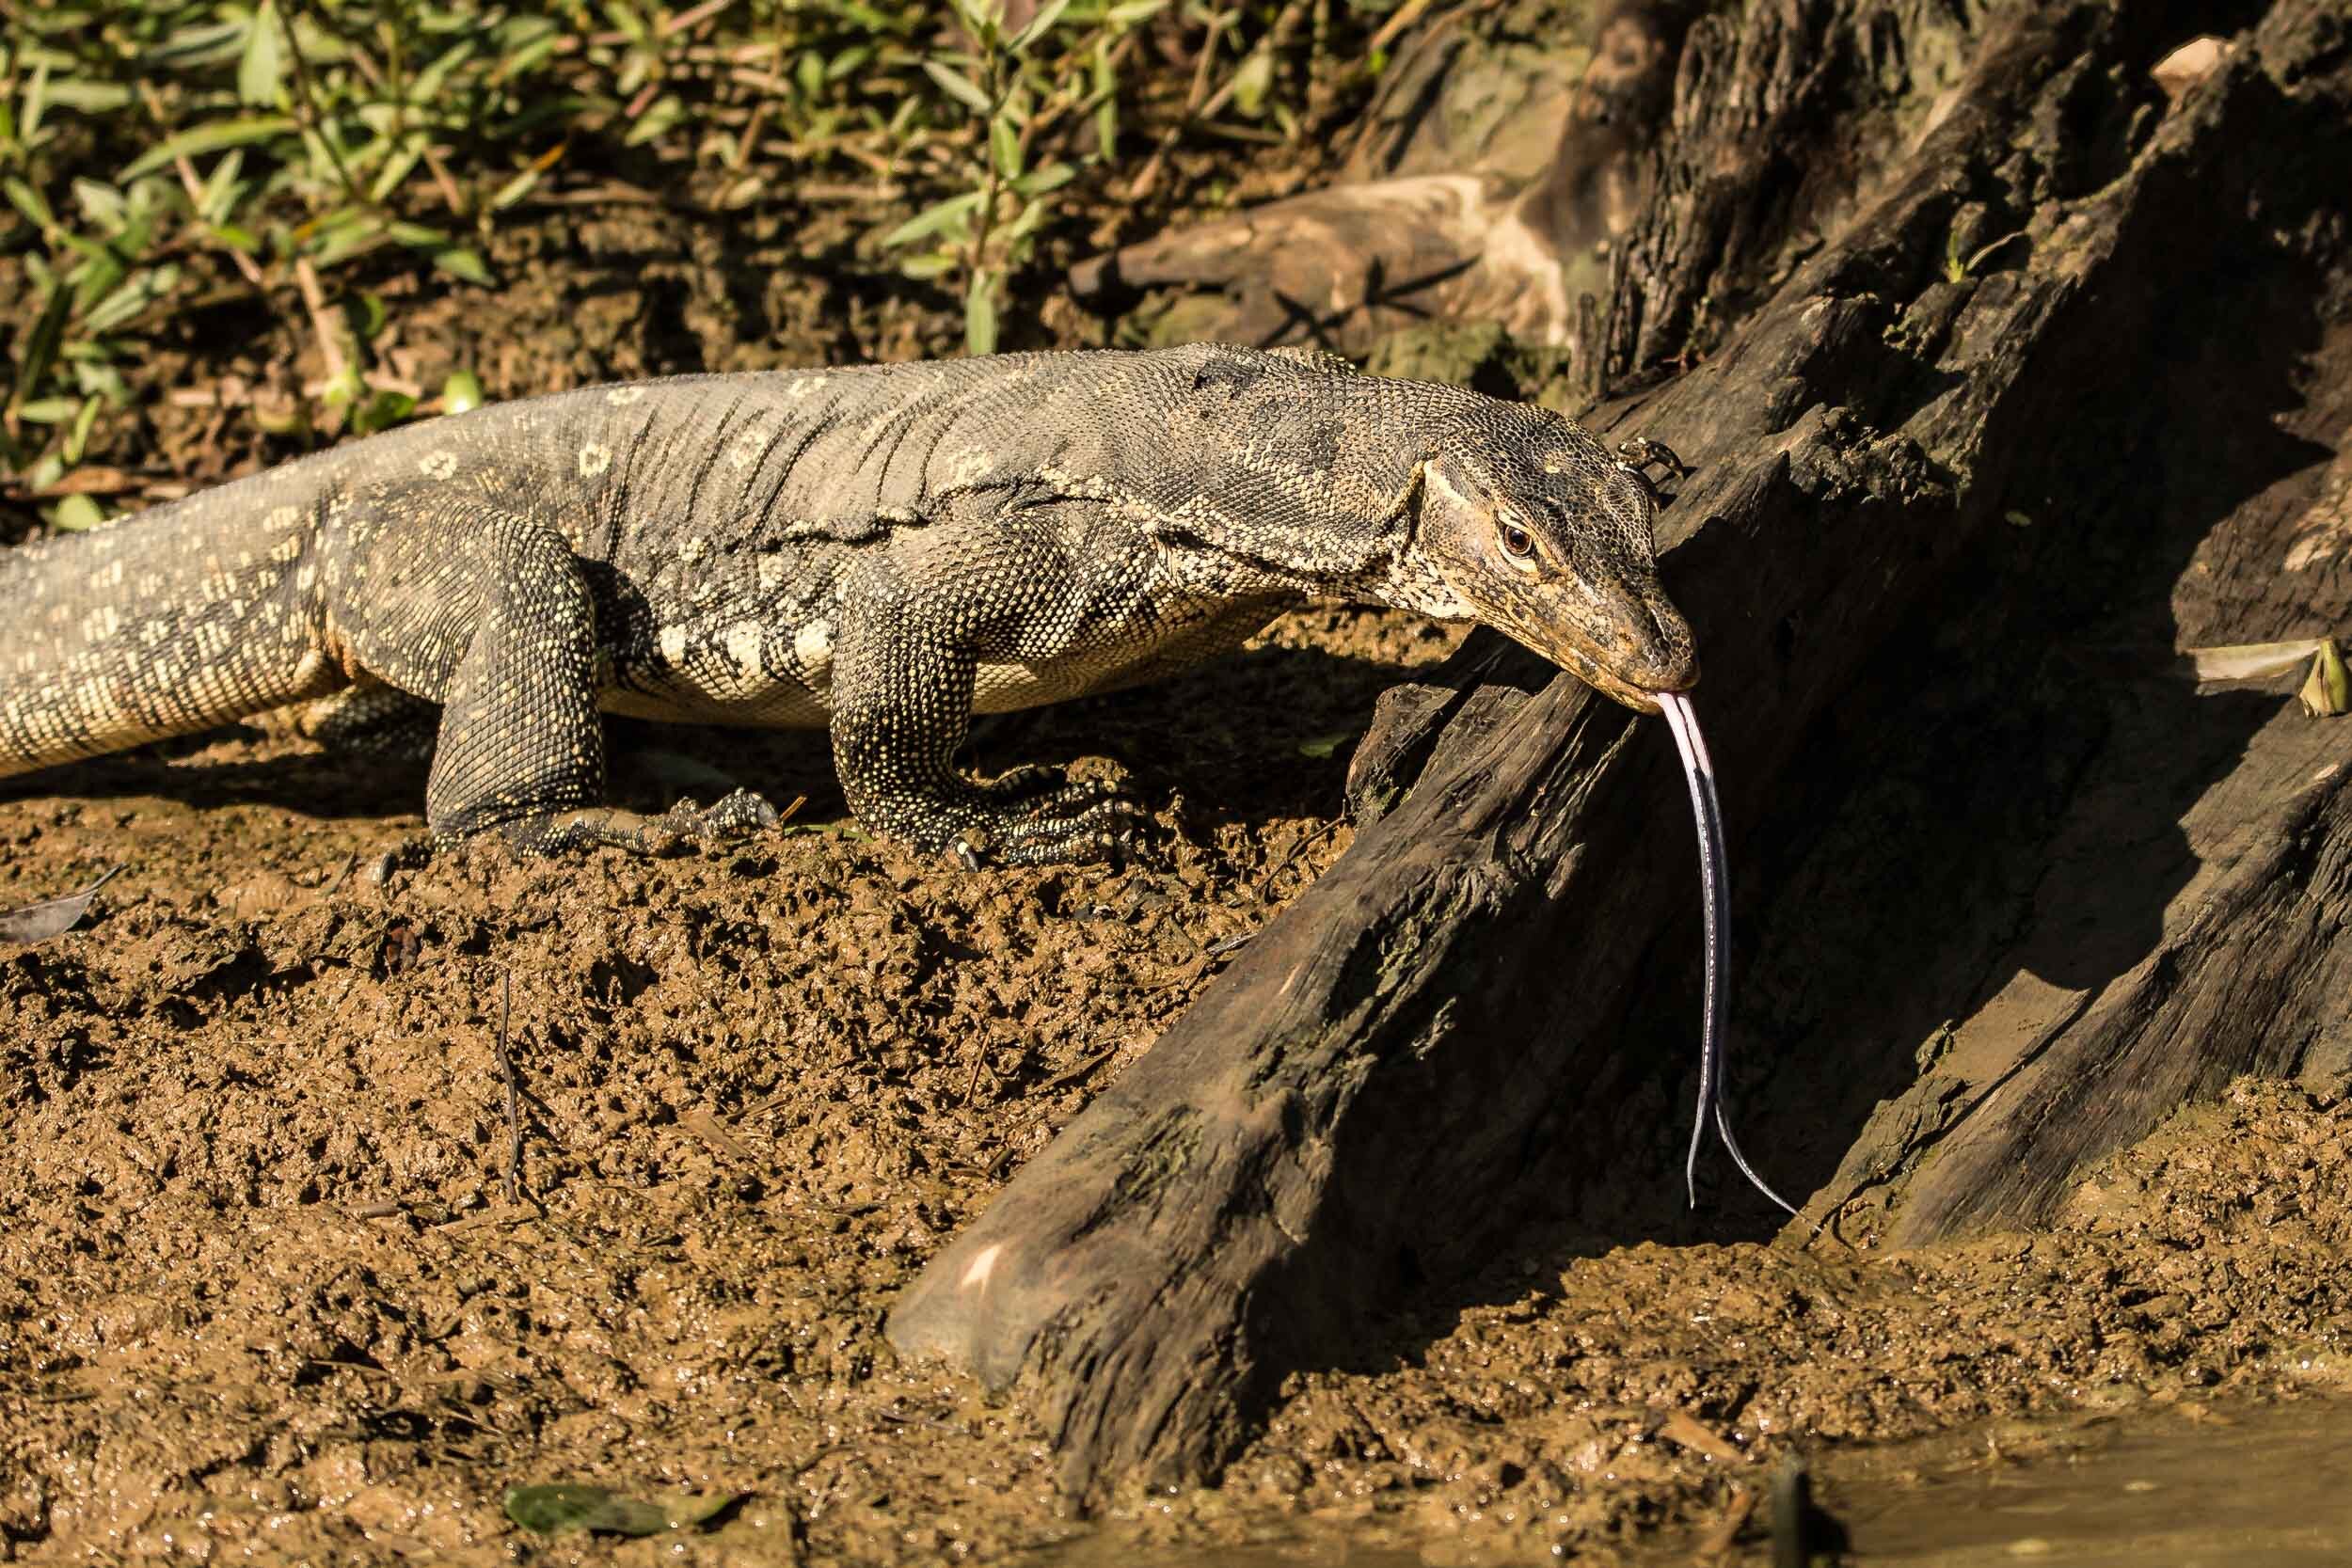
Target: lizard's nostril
(1673, 662)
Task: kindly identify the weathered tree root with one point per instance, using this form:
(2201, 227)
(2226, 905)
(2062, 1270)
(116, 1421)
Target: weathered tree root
(1343, 1113)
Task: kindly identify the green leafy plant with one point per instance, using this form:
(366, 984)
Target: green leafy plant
(291, 158)
(1023, 95)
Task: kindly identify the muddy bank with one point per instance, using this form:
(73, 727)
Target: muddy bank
(262, 1293)
(256, 1136)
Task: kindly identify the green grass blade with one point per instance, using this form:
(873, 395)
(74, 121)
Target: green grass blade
(40, 346)
(262, 68)
(956, 85)
(216, 136)
(1040, 25)
(931, 219)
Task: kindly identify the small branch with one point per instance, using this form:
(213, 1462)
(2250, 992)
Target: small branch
(314, 300)
(1193, 100)
(310, 115)
(1277, 39)
(984, 215)
(686, 19)
(1404, 17)
(447, 186)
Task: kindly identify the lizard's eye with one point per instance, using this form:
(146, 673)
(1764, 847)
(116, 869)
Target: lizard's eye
(1516, 542)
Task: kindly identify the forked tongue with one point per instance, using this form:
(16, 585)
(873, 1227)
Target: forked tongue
(1700, 773)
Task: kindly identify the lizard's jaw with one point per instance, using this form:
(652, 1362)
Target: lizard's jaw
(1640, 699)
(1616, 633)
(1634, 677)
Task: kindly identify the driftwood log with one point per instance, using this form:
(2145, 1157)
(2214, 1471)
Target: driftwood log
(1486, 180)
(2005, 368)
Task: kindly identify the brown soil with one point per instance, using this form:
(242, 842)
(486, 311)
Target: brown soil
(264, 1295)
(262, 1292)
(263, 1281)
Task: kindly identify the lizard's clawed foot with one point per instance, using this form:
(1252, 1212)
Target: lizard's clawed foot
(732, 815)
(1641, 453)
(415, 850)
(1054, 820)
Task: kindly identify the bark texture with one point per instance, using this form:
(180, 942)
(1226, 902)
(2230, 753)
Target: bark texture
(2001, 372)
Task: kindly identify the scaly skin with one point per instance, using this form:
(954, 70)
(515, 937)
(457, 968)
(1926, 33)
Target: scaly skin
(882, 551)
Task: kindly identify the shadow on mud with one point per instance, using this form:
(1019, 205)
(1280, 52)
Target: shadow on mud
(1259, 734)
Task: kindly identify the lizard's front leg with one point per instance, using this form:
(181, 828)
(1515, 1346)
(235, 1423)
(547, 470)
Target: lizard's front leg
(906, 661)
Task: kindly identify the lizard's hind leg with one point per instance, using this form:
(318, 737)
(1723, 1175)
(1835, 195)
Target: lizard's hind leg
(522, 745)
(372, 720)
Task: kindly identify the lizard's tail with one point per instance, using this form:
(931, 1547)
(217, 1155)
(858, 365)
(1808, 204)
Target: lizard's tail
(182, 619)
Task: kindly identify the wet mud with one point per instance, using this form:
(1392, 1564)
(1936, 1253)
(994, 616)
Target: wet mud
(2219, 1481)
(264, 1294)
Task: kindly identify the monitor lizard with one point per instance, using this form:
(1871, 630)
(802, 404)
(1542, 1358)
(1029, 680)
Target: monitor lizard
(880, 551)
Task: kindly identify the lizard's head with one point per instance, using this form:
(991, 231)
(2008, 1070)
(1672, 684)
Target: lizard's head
(1546, 537)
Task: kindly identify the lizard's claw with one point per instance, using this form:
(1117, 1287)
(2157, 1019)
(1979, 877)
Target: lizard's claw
(1027, 785)
(415, 850)
(1080, 823)
(1053, 821)
(737, 812)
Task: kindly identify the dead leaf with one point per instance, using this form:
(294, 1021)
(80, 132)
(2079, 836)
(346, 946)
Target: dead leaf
(52, 916)
(2328, 690)
(1722, 1536)
(708, 1129)
(401, 947)
(2250, 661)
